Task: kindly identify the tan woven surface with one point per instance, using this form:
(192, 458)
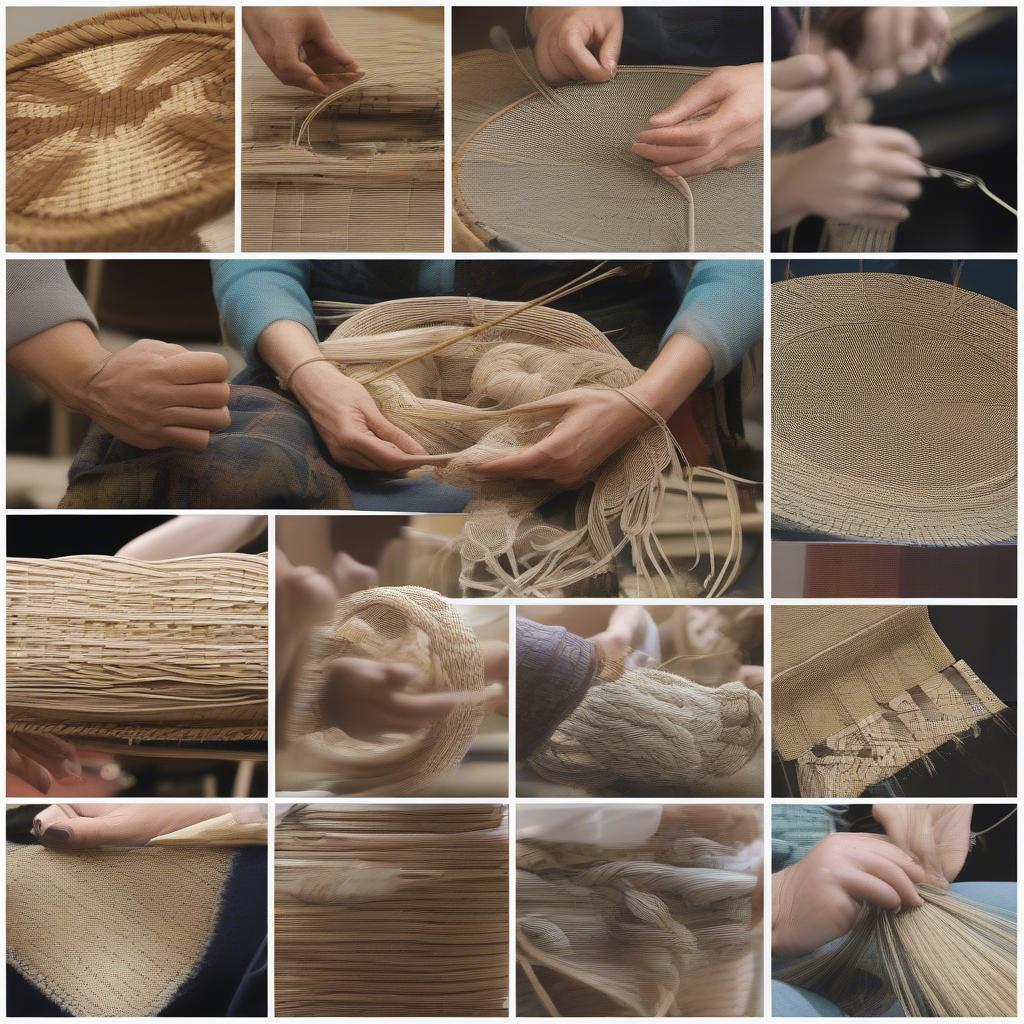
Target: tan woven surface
(555, 173)
(392, 911)
(120, 130)
(406, 625)
(111, 647)
(111, 933)
(894, 410)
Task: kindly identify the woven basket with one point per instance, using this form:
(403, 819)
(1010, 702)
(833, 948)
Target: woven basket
(111, 647)
(120, 130)
(894, 410)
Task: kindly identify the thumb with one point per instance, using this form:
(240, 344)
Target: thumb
(328, 42)
(85, 833)
(611, 46)
(387, 431)
(699, 96)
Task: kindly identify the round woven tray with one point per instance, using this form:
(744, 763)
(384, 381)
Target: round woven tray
(894, 404)
(120, 130)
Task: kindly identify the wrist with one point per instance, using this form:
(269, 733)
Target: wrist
(63, 360)
(788, 205)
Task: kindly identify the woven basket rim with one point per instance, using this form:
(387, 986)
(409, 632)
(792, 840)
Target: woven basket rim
(162, 223)
(854, 507)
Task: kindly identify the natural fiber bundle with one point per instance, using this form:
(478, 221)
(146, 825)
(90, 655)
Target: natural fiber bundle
(174, 650)
(459, 403)
(551, 170)
(661, 929)
(406, 625)
(860, 693)
(363, 169)
(111, 933)
(392, 911)
(652, 731)
(948, 958)
(894, 410)
(120, 130)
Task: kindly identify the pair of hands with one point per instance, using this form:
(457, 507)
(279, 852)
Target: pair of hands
(819, 898)
(573, 43)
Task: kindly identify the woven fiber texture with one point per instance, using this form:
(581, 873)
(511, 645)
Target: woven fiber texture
(392, 911)
(367, 172)
(653, 731)
(894, 410)
(120, 130)
(101, 646)
(111, 933)
(552, 171)
(407, 625)
(457, 404)
(659, 929)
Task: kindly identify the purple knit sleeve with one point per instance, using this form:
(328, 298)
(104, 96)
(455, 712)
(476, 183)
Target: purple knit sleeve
(554, 668)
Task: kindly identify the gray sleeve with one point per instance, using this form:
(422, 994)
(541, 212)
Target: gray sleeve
(41, 295)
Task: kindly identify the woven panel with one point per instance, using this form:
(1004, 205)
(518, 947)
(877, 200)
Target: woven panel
(894, 410)
(391, 911)
(120, 130)
(100, 646)
(558, 176)
(112, 933)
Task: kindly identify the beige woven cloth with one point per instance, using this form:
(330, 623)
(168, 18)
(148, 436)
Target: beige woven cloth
(120, 130)
(111, 933)
(894, 410)
(552, 171)
(368, 174)
(407, 625)
(458, 404)
(392, 911)
(861, 692)
(102, 646)
(661, 928)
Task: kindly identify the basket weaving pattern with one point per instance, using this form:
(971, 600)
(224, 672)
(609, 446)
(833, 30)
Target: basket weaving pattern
(894, 410)
(111, 647)
(120, 130)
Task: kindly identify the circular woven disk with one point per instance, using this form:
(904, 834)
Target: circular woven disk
(542, 177)
(894, 405)
(120, 130)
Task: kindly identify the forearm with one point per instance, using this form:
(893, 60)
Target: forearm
(61, 360)
(679, 369)
(788, 206)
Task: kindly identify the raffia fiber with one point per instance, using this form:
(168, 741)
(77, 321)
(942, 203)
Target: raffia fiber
(111, 647)
(894, 410)
(120, 130)
(661, 929)
(457, 403)
(650, 731)
(392, 911)
(407, 625)
(551, 170)
(111, 933)
(948, 958)
(861, 692)
(367, 174)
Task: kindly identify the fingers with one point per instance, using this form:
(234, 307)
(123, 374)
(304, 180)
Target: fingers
(328, 43)
(59, 758)
(201, 419)
(886, 138)
(200, 396)
(187, 439)
(81, 833)
(351, 576)
(197, 368)
(291, 70)
(387, 431)
(800, 72)
(28, 770)
(612, 47)
(55, 814)
(376, 454)
(847, 87)
(897, 877)
(698, 97)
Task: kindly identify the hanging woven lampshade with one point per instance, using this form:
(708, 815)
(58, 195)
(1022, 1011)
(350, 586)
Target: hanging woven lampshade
(894, 410)
(120, 130)
(552, 171)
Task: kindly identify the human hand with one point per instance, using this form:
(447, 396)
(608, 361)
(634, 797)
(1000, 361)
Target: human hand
(594, 424)
(752, 677)
(937, 835)
(576, 42)
(898, 41)
(864, 174)
(730, 134)
(297, 44)
(39, 759)
(155, 395)
(85, 826)
(626, 627)
(356, 432)
(819, 898)
(800, 90)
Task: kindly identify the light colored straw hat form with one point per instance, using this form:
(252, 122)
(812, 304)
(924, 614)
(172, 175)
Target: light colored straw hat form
(120, 131)
(894, 410)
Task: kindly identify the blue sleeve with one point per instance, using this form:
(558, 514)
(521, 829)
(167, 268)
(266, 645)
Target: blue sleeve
(723, 310)
(253, 294)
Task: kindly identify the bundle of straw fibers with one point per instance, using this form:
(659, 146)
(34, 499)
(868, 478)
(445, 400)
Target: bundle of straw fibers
(102, 646)
(392, 911)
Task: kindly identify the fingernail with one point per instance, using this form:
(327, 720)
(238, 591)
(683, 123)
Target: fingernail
(36, 827)
(71, 769)
(57, 836)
